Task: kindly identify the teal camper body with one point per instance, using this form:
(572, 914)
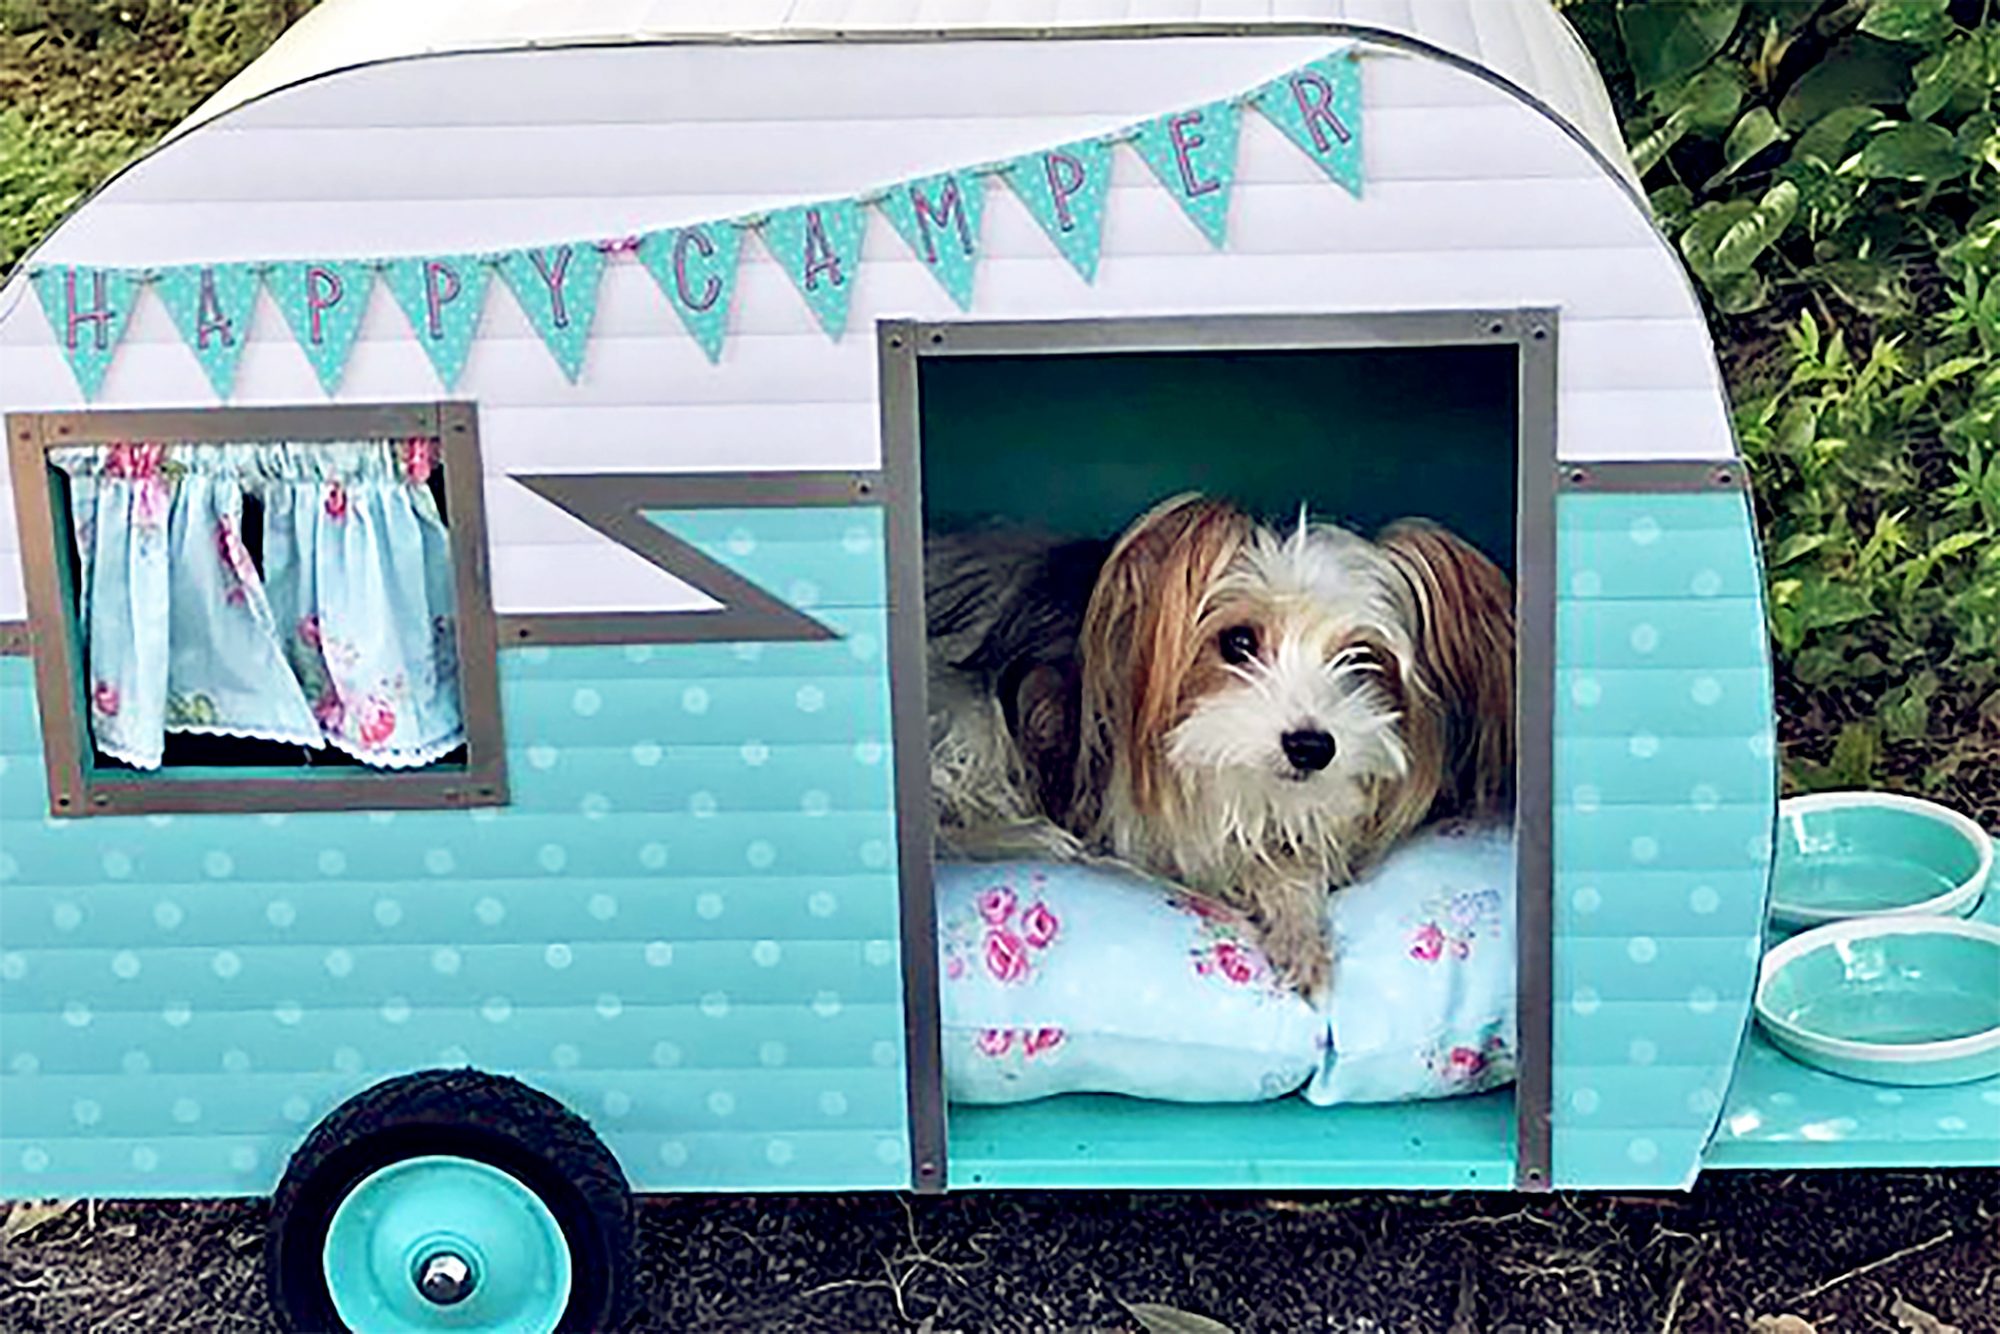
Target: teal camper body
(670, 900)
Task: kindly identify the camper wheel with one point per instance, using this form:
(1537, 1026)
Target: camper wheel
(450, 1200)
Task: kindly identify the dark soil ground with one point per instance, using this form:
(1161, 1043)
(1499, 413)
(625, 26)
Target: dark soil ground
(1912, 1253)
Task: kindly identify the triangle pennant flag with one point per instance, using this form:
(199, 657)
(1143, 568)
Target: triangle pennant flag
(323, 301)
(557, 289)
(1318, 106)
(1064, 190)
(1193, 152)
(819, 248)
(442, 296)
(696, 267)
(938, 218)
(210, 305)
(88, 309)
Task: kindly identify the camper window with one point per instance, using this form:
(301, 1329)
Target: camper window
(259, 615)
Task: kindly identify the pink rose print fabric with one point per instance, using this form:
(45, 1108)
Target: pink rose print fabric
(1006, 955)
(419, 458)
(1448, 926)
(1480, 1062)
(1000, 939)
(1422, 1003)
(328, 621)
(1226, 949)
(239, 571)
(1098, 979)
(1026, 1043)
(145, 466)
(377, 722)
(1063, 978)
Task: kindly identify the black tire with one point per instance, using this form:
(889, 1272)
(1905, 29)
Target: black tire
(498, 1121)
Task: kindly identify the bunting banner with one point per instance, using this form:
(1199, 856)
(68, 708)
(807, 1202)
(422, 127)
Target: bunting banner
(88, 309)
(323, 301)
(1064, 189)
(938, 218)
(1191, 153)
(819, 248)
(557, 289)
(696, 267)
(442, 296)
(1194, 155)
(211, 306)
(1318, 106)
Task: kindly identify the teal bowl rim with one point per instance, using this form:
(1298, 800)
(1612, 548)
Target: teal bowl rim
(1953, 900)
(1858, 928)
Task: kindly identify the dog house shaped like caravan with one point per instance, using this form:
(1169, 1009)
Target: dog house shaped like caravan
(677, 877)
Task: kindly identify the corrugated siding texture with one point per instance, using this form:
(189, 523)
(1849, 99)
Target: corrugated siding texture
(1665, 787)
(1472, 200)
(1523, 41)
(685, 926)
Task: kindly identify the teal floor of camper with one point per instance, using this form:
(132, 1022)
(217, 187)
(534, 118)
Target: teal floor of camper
(1124, 1144)
(1782, 1114)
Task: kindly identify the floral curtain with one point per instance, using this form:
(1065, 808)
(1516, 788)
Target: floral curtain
(344, 638)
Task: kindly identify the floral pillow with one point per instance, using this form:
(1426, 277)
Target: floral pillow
(1422, 1002)
(1082, 979)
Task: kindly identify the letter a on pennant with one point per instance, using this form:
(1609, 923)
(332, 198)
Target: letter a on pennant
(938, 218)
(442, 296)
(210, 305)
(696, 267)
(1318, 106)
(557, 289)
(819, 247)
(88, 309)
(1064, 191)
(323, 301)
(1193, 152)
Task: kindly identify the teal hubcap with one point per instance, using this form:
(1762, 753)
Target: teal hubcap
(445, 1243)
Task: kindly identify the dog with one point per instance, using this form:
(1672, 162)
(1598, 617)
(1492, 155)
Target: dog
(1257, 715)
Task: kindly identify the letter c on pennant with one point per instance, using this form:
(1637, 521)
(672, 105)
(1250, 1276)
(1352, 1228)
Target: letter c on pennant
(693, 238)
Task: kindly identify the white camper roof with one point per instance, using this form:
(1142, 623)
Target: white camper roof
(1494, 182)
(1525, 42)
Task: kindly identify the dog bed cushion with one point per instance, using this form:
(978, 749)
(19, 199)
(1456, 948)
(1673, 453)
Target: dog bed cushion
(1422, 1002)
(1068, 978)
(1085, 979)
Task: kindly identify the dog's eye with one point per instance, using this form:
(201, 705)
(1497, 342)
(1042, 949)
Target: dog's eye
(1238, 644)
(1366, 657)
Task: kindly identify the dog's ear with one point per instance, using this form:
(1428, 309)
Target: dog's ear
(1139, 638)
(1460, 610)
(1040, 700)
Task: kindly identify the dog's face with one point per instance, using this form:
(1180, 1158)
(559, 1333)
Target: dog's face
(1248, 690)
(1292, 696)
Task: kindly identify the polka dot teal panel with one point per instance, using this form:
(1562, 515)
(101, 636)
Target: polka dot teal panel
(685, 925)
(1665, 798)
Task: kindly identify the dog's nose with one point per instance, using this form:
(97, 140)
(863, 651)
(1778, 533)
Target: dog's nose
(1308, 750)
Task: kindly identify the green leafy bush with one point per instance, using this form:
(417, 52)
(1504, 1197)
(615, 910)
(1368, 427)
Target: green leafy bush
(87, 85)
(1830, 170)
